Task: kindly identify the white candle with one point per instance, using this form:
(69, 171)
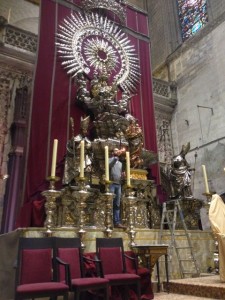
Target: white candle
(128, 167)
(82, 159)
(106, 163)
(205, 179)
(54, 155)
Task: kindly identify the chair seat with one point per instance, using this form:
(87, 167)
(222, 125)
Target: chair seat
(42, 287)
(91, 282)
(121, 277)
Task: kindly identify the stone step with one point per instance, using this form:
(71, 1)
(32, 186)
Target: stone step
(207, 287)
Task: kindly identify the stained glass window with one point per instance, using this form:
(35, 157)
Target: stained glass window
(193, 16)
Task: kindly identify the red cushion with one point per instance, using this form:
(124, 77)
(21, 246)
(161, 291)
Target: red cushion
(122, 277)
(36, 266)
(89, 281)
(111, 260)
(70, 256)
(41, 287)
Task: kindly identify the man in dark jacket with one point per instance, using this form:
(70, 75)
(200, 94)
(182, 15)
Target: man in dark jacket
(115, 170)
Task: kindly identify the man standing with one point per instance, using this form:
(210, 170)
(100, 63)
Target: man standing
(115, 170)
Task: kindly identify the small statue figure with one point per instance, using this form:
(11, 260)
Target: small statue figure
(83, 96)
(134, 136)
(72, 160)
(100, 87)
(123, 103)
(180, 175)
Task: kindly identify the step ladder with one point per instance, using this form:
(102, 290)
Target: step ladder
(186, 259)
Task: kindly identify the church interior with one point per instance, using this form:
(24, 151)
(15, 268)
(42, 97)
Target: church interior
(112, 148)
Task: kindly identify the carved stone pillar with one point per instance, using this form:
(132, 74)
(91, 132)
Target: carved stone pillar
(17, 133)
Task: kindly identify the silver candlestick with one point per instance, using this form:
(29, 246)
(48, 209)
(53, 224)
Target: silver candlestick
(82, 195)
(130, 201)
(50, 205)
(108, 198)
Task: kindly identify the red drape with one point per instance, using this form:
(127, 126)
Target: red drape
(54, 100)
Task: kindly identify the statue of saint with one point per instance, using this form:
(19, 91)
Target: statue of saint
(180, 175)
(72, 159)
(134, 136)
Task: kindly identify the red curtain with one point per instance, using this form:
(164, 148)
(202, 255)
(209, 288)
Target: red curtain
(54, 100)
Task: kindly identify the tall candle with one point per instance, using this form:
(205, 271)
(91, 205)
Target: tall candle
(106, 163)
(82, 159)
(54, 155)
(9, 15)
(205, 179)
(128, 167)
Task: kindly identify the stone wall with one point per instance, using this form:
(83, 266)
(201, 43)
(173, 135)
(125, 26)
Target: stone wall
(198, 69)
(21, 14)
(215, 9)
(164, 31)
(138, 3)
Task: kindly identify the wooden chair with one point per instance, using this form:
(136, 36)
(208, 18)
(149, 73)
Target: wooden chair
(68, 250)
(35, 274)
(111, 253)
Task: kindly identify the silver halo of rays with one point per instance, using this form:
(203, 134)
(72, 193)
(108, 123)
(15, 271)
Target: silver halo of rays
(81, 38)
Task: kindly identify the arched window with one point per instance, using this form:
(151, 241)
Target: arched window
(193, 16)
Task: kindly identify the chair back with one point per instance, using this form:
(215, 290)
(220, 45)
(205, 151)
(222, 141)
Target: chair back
(131, 264)
(110, 251)
(69, 250)
(34, 260)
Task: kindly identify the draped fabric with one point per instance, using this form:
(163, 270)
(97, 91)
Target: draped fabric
(217, 221)
(54, 100)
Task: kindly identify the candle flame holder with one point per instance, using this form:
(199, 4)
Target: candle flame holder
(128, 190)
(107, 185)
(208, 200)
(81, 182)
(50, 205)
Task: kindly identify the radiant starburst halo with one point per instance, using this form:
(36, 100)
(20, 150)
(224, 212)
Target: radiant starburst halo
(100, 54)
(93, 44)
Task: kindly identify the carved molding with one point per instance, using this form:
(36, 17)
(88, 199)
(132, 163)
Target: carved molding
(165, 101)
(20, 39)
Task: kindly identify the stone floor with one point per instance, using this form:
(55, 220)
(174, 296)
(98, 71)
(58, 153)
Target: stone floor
(166, 296)
(205, 287)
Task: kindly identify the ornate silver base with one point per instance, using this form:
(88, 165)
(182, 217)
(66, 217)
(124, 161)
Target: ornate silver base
(81, 195)
(50, 205)
(131, 202)
(108, 199)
